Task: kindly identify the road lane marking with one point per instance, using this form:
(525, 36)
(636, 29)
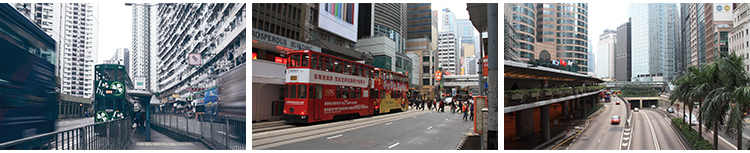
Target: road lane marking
(653, 134)
(429, 127)
(389, 123)
(446, 119)
(389, 147)
(335, 136)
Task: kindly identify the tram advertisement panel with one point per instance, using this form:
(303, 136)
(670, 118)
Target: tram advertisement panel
(324, 77)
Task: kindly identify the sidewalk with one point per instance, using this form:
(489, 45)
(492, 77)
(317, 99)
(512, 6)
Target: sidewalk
(161, 142)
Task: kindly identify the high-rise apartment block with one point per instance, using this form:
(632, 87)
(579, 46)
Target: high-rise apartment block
(143, 69)
(74, 28)
(448, 56)
(215, 31)
(121, 57)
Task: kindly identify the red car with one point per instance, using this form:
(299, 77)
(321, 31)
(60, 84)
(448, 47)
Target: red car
(615, 119)
(617, 102)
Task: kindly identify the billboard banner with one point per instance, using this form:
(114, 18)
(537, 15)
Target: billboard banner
(723, 11)
(339, 18)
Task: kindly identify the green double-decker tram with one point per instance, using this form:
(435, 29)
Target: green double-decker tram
(111, 84)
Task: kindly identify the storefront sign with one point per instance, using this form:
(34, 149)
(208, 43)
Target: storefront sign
(274, 39)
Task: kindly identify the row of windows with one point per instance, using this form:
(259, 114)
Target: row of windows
(548, 6)
(548, 33)
(526, 46)
(547, 26)
(328, 64)
(522, 10)
(547, 19)
(571, 21)
(548, 39)
(572, 9)
(572, 41)
(528, 38)
(572, 48)
(572, 35)
(527, 55)
(571, 15)
(523, 28)
(572, 28)
(572, 55)
(584, 5)
(523, 19)
(392, 76)
(548, 12)
(530, 5)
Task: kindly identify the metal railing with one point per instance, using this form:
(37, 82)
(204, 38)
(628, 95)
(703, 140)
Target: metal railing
(110, 135)
(224, 132)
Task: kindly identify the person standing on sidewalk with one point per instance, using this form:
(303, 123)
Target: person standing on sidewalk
(471, 112)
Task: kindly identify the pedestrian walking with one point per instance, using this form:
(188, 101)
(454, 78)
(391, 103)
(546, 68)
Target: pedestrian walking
(429, 106)
(464, 109)
(442, 106)
(471, 112)
(421, 104)
(452, 104)
(459, 106)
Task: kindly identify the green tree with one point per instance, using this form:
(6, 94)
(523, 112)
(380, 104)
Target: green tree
(726, 81)
(684, 90)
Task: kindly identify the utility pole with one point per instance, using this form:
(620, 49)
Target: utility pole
(492, 14)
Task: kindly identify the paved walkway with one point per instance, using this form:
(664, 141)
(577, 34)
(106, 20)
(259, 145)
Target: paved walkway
(161, 142)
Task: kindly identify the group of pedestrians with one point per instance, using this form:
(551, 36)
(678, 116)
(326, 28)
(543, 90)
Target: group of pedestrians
(439, 106)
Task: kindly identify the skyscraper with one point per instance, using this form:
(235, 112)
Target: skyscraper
(448, 20)
(623, 53)
(389, 20)
(653, 43)
(525, 24)
(73, 27)
(718, 25)
(422, 39)
(561, 33)
(141, 70)
(605, 55)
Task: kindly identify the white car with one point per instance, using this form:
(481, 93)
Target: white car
(636, 109)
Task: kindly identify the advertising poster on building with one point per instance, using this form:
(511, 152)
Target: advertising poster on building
(339, 18)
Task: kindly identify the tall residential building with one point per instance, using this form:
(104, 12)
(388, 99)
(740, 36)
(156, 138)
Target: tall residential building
(739, 41)
(448, 56)
(623, 55)
(606, 55)
(422, 33)
(216, 32)
(143, 69)
(561, 32)
(525, 24)
(75, 30)
(654, 43)
(718, 25)
(121, 57)
(389, 20)
(510, 49)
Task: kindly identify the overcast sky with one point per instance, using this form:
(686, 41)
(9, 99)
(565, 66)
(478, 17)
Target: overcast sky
(115, 29)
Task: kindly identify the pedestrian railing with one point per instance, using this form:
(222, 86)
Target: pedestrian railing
(110, 135)
(224, 132)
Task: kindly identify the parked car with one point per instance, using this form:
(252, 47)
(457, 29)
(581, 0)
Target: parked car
(615, 119)
(653, 106)
(636, 109)
(670, 110)
(693, 119)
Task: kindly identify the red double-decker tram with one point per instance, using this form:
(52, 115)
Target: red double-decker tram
(389, 93)
(321, 87)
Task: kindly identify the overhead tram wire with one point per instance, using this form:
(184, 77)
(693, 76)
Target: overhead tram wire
(336, 54)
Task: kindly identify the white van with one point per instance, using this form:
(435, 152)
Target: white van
(693, 119)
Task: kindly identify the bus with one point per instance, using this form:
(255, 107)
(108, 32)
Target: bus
(111, 84)
(390, 91)
(204, 102)
(28, 91)
(322, 87)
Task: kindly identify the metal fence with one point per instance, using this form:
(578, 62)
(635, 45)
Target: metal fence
(110, 135)
(224, 132)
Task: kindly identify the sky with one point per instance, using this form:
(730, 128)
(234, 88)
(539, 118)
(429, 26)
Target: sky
(115, 29)
(605, 15)
(459, 9)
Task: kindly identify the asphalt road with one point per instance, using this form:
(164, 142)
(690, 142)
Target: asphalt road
(652, 131)
(410, 130)
(600, 134)
(73, 123)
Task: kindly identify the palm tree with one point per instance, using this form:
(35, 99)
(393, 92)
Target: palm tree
(726, 82)
(683, 85)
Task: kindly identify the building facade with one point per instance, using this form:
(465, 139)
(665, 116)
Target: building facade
(448, 21)
(448, 57)
(605, 55)
(561, 33)
(389, 20)
(143, 68)
(73, 27)
(718, 24)
(739, 42)
(215, 31)
(524, 22)
(121, 57)
(623, 60)
(422, 42)
(654, 54)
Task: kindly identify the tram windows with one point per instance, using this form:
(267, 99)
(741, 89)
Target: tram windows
(318, 91)
(375, 94)
(382, 94)
(288, 88)
(345, 92)
(355, 68)
(302, 91)
(337, 66)
(314, 61)
(347, 67)
(329, 64)
(293, 91)
(305, 60)
(338, 92)
(294, 61)
(352, 92)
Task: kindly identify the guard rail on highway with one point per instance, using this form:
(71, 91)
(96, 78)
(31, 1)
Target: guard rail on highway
(109, 135)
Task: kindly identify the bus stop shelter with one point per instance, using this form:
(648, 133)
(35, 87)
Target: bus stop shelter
(144, 98)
